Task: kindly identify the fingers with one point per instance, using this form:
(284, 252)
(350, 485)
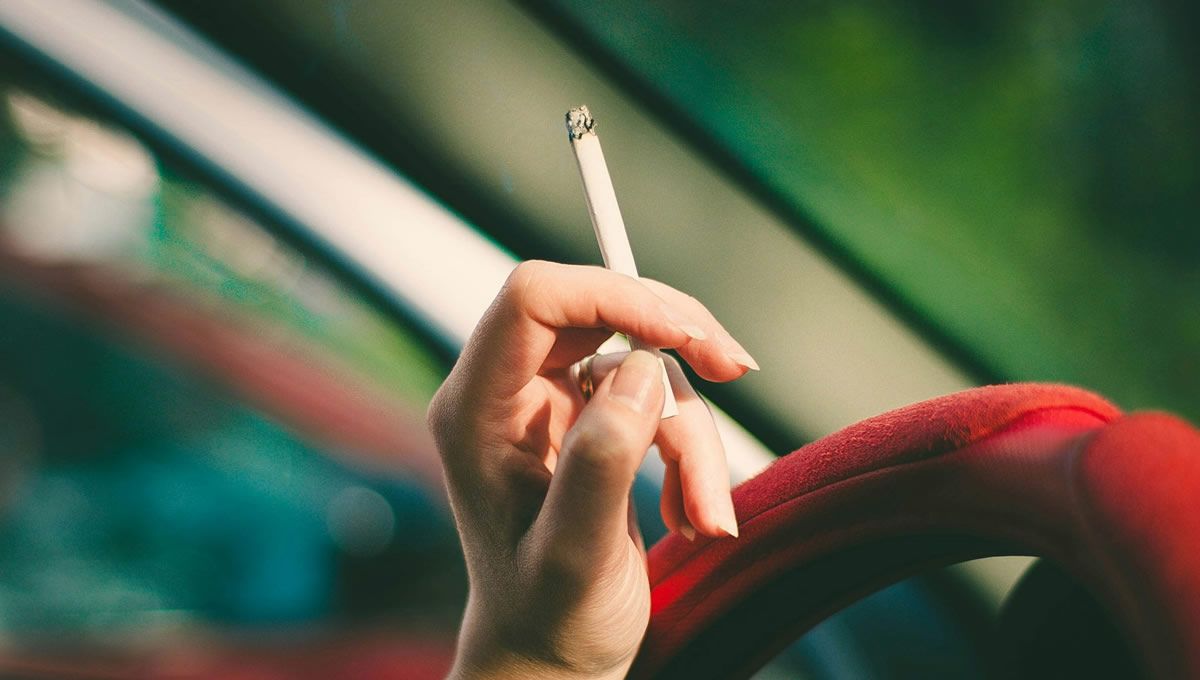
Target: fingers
(586, 507)
(671, 502)
(696, 484)
(549, 315)
(691, 441)
(720, 358)
(539, 299)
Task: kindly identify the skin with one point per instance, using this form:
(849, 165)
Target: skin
(539, 479)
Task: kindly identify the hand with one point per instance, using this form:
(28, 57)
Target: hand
(539, 480)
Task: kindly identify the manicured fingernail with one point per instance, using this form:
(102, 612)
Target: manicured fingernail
(737, 353)
(741, 358)
(729, 526)
(683, 323)
(687, 532)
(727, 521)
(635, 380)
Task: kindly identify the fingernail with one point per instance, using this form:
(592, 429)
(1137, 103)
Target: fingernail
(735, 351)
(635, 379)
(728, 517)
(741, 358)
(688, 532)
(729, 526)
(683, 323)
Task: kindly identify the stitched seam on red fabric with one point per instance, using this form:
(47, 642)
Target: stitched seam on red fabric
(934, 454)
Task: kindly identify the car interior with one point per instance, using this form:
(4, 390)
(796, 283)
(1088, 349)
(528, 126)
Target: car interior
(241, 247)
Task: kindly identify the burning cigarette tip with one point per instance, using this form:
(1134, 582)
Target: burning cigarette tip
(579, 122)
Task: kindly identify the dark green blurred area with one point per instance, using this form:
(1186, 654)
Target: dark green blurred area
(1021, 176)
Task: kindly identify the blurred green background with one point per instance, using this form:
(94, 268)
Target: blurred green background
(1021, 176)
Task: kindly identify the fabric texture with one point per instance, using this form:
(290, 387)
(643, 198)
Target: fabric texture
(1047, 470)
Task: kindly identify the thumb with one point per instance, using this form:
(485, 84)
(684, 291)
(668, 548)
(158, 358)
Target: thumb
(586, 507)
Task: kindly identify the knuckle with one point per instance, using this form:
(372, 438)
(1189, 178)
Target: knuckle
(524, 279)
(442, 417)
(436, 416)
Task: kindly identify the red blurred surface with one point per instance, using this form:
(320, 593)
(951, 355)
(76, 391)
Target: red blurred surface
(1016, 469)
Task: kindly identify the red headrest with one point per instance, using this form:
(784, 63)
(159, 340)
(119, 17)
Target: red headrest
(1016, 469)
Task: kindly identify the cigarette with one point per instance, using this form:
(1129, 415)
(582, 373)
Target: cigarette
(606, 219)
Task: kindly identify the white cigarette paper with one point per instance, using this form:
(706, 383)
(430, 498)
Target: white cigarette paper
(606, 218)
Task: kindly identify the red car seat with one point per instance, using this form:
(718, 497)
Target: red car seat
(1041, 470)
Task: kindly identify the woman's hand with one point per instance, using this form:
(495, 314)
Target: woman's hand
(539, 479)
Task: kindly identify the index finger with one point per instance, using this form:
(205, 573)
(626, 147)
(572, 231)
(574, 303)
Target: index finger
(516, 334)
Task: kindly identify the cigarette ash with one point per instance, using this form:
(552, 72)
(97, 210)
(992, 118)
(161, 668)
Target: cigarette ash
(580, 122)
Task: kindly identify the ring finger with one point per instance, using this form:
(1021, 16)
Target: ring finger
(691, 445)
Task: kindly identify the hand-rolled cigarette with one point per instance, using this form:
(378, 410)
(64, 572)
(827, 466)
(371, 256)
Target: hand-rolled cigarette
(606, 217)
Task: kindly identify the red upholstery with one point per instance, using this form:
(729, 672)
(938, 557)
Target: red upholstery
(1015, 469)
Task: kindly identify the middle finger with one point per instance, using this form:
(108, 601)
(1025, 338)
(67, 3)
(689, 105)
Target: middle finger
(690, 441)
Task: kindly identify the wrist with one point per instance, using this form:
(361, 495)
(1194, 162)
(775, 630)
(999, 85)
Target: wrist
(478, 659)
(507, 666)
